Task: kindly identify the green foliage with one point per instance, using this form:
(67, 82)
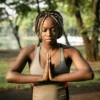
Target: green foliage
(26, 21)
(2, 1)
(4, 66)
(1, 11)
(72, 9)
(51, 4)
(26, 12)
(23, 9)
(83, 83)
(83, 31)
(5, 28)
(86, 10)
(2, 18)
(85, 6)
(12, 3)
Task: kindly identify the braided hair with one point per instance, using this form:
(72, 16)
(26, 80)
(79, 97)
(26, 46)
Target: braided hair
(41, 18)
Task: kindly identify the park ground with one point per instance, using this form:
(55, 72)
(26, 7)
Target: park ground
(78, 91)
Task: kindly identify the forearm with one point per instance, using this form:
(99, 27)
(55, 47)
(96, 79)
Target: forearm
(15, 77)
(74, 76)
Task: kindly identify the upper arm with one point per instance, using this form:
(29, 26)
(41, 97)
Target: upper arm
(78, 60)
(20, 61)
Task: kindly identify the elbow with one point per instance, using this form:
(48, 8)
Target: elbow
(90, 75)
(9, 77)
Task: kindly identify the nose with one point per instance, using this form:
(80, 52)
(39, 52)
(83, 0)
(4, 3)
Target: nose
(49, 33)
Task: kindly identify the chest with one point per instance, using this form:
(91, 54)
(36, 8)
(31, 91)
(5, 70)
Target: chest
(58, 64)
(55, 59)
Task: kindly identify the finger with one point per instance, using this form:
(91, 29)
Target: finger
(48, 60)
(47, 63)
(48, 56)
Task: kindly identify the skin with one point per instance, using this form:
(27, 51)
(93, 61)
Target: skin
(49, 45)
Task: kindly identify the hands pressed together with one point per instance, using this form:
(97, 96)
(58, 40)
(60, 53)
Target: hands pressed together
(47, 70)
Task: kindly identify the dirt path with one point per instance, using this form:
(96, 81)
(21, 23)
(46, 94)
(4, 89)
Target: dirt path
(85, 92)
(76, 93)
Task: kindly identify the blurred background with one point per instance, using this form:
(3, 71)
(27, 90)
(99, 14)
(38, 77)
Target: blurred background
(81, 23)
(82, 30)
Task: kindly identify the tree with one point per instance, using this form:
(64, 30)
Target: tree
(21, 8)
(17, 7)
(91, 44)
(96, 26)
(89, 29)
(38, 7)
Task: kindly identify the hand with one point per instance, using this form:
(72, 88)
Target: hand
(51, 69)
(50, 75)
(46, 70)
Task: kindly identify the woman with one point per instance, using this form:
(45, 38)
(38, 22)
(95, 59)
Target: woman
(49, 61)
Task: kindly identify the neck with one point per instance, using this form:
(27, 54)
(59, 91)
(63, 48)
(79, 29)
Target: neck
(49, 47)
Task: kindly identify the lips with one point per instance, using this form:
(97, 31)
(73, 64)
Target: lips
(49, 38)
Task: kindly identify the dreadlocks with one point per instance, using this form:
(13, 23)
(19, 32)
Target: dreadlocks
(41, 18)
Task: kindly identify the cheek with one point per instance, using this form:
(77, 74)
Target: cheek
(42, 35)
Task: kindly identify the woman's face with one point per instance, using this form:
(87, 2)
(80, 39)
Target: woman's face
(49, 30)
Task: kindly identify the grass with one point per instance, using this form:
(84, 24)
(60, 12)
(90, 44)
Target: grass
(4, 66)
(97, 76)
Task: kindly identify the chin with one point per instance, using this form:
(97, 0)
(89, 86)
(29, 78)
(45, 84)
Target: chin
(50, 43)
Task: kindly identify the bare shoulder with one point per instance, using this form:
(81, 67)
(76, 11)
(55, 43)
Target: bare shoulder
(76, 57)
(28, 50)
(71, 51)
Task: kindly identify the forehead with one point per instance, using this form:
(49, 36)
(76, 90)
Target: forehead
(49, 21)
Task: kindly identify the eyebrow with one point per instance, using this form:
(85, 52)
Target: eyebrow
(50, 27)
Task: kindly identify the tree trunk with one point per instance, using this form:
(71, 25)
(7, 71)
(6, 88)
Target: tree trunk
(91, 46)
(49, 4)
(16, 36)
(95, 42)
(38, 7)
(15, 31)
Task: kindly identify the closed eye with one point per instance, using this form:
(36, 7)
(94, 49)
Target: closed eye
(44, 30)
(53, 30)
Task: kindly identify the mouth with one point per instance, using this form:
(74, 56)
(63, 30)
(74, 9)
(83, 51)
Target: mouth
(49, 39)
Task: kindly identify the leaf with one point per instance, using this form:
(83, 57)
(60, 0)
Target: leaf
(2, 1)
(13, 3)
(23, 9)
